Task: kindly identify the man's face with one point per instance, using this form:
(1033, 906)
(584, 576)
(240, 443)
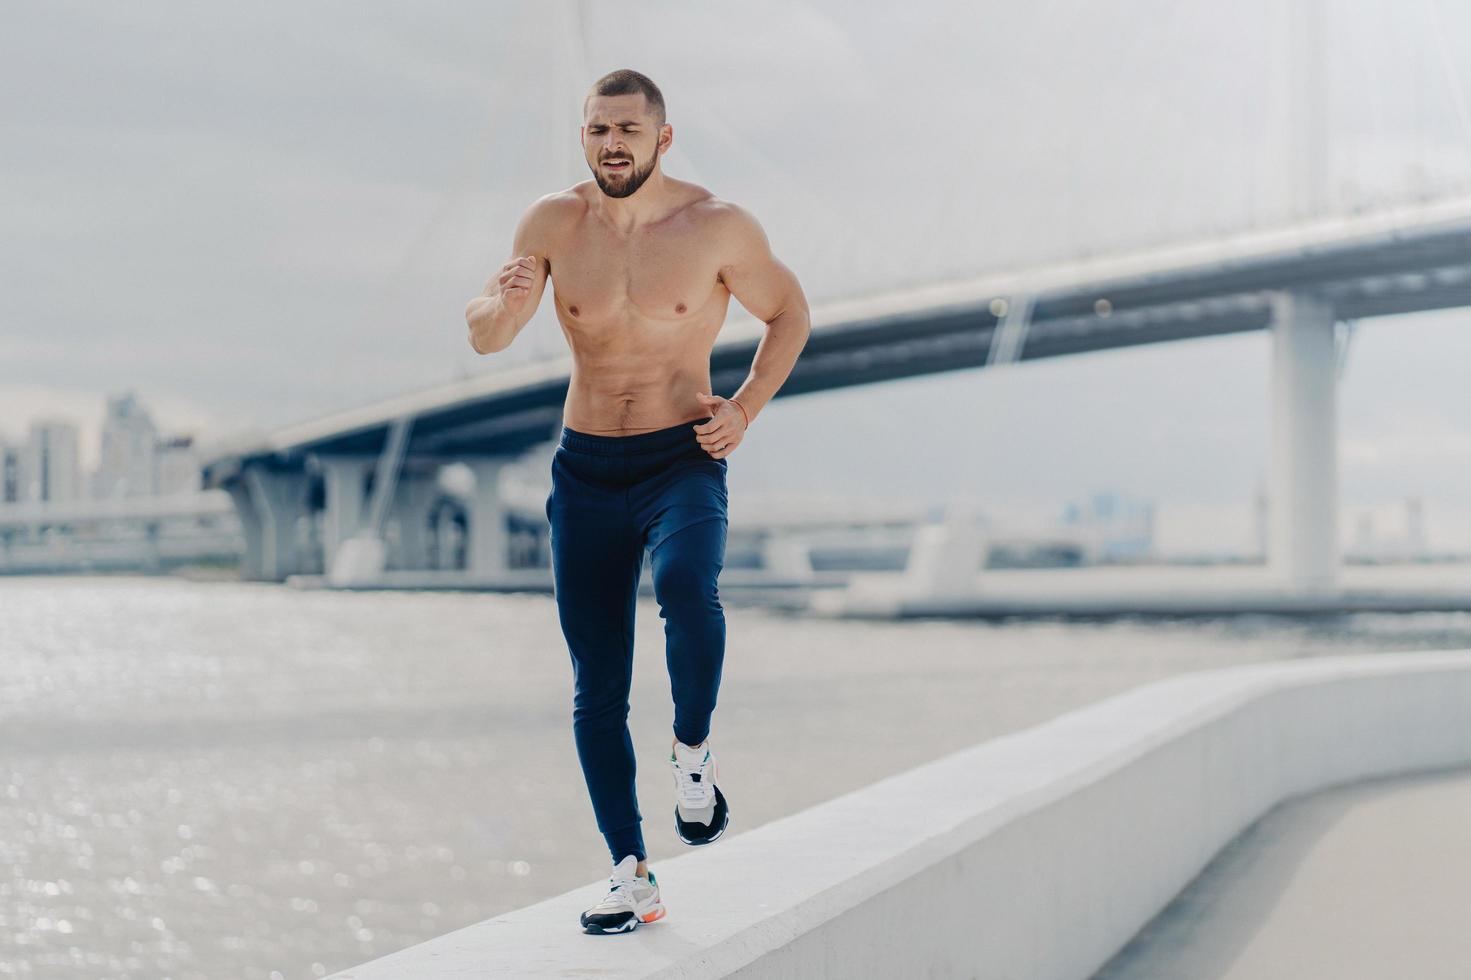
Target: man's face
(620, 128)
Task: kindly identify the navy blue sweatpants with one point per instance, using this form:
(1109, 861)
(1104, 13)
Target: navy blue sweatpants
(613, 497)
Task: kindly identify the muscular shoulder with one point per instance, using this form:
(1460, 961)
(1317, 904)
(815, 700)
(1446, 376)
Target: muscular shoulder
(739, 236)
(726, 217)
(547, 222)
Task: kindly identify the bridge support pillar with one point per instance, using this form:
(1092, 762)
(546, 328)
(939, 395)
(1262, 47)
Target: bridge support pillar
(1303, 512)
(269, 504)
(343, 479)
(447, 540)
(489, 539)
(413, 503)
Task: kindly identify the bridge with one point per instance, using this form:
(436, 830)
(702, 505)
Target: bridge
(1307, 284)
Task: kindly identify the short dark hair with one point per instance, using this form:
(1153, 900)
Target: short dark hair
(626, 81)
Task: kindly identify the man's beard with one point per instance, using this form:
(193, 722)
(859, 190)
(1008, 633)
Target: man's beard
(627, 185)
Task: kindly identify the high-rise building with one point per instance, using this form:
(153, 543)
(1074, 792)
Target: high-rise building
(178, 465)
(50, 466)
(128, 466)
(10, 479)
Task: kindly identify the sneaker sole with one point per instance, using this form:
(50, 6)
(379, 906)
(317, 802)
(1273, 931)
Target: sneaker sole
(653, 915)
(722, 812)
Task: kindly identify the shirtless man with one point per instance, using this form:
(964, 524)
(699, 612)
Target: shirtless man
(643, 267)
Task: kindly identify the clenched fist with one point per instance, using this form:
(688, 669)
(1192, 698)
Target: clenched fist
(515, 281)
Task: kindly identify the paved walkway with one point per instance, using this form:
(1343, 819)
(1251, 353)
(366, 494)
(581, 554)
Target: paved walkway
(1365, 881)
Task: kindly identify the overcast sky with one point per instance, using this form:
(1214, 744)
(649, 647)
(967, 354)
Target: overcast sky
(256, 214)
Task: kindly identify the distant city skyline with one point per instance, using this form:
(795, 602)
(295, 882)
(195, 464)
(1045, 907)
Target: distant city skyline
(134, 458)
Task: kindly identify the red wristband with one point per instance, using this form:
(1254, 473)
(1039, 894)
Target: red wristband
(743, 411)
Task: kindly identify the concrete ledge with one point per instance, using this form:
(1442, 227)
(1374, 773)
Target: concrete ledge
(1036, 855)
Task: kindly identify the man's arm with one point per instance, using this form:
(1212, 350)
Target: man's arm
(512, 295)
(770, 291)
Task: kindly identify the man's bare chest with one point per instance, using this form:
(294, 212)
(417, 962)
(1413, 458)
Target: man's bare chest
(601, 278)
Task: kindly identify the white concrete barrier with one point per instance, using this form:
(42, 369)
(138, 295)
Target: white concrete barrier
(1033, 856)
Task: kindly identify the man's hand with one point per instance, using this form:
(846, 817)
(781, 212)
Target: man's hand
(516, 279)
(726, 428)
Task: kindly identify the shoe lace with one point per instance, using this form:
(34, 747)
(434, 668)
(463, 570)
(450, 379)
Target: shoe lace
(692, 792)
(620, 894)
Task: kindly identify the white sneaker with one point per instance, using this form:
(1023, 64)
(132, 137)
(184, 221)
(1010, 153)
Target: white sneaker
(631, 899)
(700, 810)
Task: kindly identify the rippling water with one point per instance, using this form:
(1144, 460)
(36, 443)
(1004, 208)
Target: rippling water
(232, 780)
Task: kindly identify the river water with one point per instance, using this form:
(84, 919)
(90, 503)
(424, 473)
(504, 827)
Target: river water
(239, 780)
